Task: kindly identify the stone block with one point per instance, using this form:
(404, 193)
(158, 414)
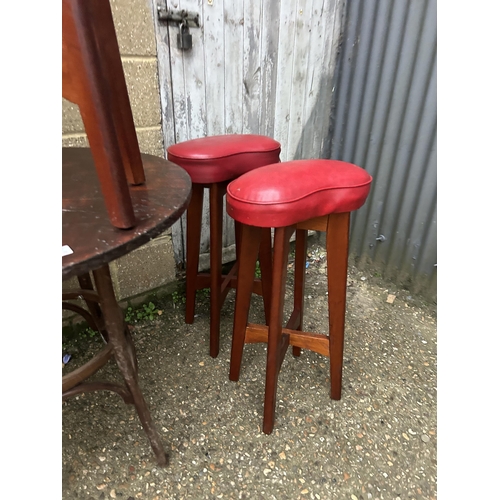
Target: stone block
(141, 77)
(71, 118)
(149, 267)
(151, 141)
(75, 141)
(142, 84)
(133, 21)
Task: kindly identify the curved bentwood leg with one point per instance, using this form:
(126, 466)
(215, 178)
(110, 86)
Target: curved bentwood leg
(115, 326)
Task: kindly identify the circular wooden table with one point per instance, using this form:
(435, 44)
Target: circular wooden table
(91, 243)
(86, 228)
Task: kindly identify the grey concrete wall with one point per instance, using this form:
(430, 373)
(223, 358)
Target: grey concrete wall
(152, 265)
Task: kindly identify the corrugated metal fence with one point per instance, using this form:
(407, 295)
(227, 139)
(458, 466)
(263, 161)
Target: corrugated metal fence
(384, 119)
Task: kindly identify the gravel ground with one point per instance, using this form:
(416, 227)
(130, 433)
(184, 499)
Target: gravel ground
(377, 442)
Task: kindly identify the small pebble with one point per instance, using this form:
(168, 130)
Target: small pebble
(425, 438)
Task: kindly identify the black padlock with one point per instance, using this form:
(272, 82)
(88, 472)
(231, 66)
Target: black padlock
(184, 38)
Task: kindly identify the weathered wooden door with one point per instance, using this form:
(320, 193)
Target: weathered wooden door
(255, 66)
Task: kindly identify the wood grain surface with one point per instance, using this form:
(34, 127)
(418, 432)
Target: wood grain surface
(86, 228)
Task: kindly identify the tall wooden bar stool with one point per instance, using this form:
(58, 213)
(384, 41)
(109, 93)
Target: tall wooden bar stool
(212, 162)
(294, 196)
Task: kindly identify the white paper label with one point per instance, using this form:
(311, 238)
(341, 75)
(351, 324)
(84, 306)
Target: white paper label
(66, 250)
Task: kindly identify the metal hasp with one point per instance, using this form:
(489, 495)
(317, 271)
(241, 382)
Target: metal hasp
(185, 20)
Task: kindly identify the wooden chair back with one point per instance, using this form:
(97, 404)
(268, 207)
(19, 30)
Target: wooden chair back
(93, 78)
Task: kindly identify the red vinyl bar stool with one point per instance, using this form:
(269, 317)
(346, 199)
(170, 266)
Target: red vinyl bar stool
(294, 196)
(212, 162)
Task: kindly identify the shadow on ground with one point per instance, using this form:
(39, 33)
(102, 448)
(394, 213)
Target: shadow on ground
(377, 442)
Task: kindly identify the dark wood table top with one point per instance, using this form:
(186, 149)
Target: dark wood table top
(86, 228)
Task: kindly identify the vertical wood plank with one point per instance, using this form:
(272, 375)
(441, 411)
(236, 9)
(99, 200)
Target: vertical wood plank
(188, 94)
(194, 76)
(303, 36)
(270, 21)
(234, 25)
(212, 20)
(179, 110)
(323, 44)
(251, 67)
(168, 121)
(214, 87)
(165, 79)
(287, 26)
(233, 66)
(177, 75)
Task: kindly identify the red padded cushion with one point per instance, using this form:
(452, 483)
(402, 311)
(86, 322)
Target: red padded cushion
(223, 157)
(287, 193)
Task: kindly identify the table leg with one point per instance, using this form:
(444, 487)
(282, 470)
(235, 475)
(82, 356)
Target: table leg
(124, 356)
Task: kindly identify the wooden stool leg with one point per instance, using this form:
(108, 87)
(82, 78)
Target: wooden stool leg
(194, 213)
(237, 238)
(250, 238)
(266, 270)
(277, 342)
(337, 251)
(300, 279)
(216, 205)
(115, 326)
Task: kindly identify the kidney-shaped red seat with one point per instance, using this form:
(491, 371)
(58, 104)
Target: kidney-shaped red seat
(223, 157)
(212, 162)
(295, 191)
(293, 196)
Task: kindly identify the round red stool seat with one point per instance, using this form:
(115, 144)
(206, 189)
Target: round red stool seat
(223, 157)
(290, 192)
